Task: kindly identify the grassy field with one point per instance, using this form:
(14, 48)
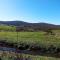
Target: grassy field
(31, 37)
(7, 28)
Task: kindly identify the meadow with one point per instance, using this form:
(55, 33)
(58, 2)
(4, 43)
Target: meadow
(9, 34)
(31, 37)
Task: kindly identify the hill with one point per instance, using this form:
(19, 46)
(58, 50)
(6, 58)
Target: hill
(25, 26)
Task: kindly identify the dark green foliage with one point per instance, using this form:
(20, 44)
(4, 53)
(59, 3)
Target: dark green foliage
(23, 46)
(52, 49)
(49, 31)
(0, 58)
(58, 50)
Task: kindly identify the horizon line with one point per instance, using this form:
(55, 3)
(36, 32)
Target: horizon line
(30, 22)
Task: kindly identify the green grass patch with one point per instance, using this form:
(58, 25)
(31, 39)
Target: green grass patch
(31, 37)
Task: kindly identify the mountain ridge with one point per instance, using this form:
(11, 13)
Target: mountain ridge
(16, 22)
(21, 25)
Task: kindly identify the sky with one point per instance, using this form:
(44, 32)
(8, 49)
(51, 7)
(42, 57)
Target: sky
(47, 11)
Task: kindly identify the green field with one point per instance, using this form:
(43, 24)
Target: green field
(7, 28)
(31, 37)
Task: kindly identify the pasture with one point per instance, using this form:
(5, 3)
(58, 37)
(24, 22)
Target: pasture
(31, 37)
(39, 38)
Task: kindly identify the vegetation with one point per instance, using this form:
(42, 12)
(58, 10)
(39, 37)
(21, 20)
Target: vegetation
(4, 55)
(37, 40)
(44, 42)
(7, 28)
(31, 37)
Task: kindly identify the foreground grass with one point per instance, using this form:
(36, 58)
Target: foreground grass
(12, 56)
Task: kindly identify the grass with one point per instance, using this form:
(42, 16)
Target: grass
(7, 28)
(31, 37)
(12, 56)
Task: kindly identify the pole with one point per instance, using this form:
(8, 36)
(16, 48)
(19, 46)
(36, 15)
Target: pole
(17, 30)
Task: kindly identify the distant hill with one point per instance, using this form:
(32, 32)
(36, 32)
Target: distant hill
(15, 23)
(22, 26)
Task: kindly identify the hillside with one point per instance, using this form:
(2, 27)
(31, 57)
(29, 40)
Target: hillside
(25, 26)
